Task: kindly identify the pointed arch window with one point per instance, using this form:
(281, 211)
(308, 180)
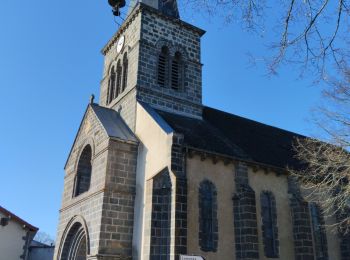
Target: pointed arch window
(269, 224)
(163, 66)
(176, 71)
(111, 85)
(125, 72)
(83, 176)
(318, 232)
(208, 222)
(118, 89)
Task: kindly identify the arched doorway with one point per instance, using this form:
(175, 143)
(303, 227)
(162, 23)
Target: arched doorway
(75, 244)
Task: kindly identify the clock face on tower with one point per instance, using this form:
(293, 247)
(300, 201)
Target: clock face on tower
(120, 43)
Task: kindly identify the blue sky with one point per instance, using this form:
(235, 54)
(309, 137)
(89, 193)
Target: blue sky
(50, 63)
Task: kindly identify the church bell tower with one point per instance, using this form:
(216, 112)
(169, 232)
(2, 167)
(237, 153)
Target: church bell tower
(153, 58)
(152, 61)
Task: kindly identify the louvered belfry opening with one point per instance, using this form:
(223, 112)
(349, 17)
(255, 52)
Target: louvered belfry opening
(175, 71)
(163, 66)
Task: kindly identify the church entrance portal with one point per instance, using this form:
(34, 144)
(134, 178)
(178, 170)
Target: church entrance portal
(75, 245)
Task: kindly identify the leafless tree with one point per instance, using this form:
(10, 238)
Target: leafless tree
(327, 163)
(44, 238)
(314, 35)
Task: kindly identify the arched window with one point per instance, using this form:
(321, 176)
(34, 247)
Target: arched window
(176, 71)
(318, 232)
(111, 85)
(76, 244)
(125, 72)
(269, 224)
(118, 80)
(83, 176)
(163, 66)
(208, 222)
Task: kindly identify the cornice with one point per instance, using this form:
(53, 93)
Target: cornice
(215, 157)
(186, 25)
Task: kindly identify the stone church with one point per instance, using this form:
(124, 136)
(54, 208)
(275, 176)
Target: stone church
(155, 174)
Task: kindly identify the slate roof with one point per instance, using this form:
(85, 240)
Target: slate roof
(113, 123)
(234, 136)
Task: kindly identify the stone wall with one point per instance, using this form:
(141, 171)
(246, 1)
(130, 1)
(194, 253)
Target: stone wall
(157, 31)
(160, 247)
(181, 206)
(145, 31)
(168, 223)
(303, 244)
(107, 207)
(126, 106)
(118, 201)
(125, 103)
(87, 204)
(131, 30)
(263, 180)
(245, 219)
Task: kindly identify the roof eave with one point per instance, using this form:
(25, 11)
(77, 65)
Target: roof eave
(236, 158)
(14, 217)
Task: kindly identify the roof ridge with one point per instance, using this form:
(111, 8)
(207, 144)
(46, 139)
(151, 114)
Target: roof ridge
(255, 121)
(220, 135)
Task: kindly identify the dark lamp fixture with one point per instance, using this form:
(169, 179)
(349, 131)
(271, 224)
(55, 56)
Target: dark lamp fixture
(4, 221)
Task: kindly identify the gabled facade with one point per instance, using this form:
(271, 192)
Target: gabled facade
(16, 236)
(154, 174)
